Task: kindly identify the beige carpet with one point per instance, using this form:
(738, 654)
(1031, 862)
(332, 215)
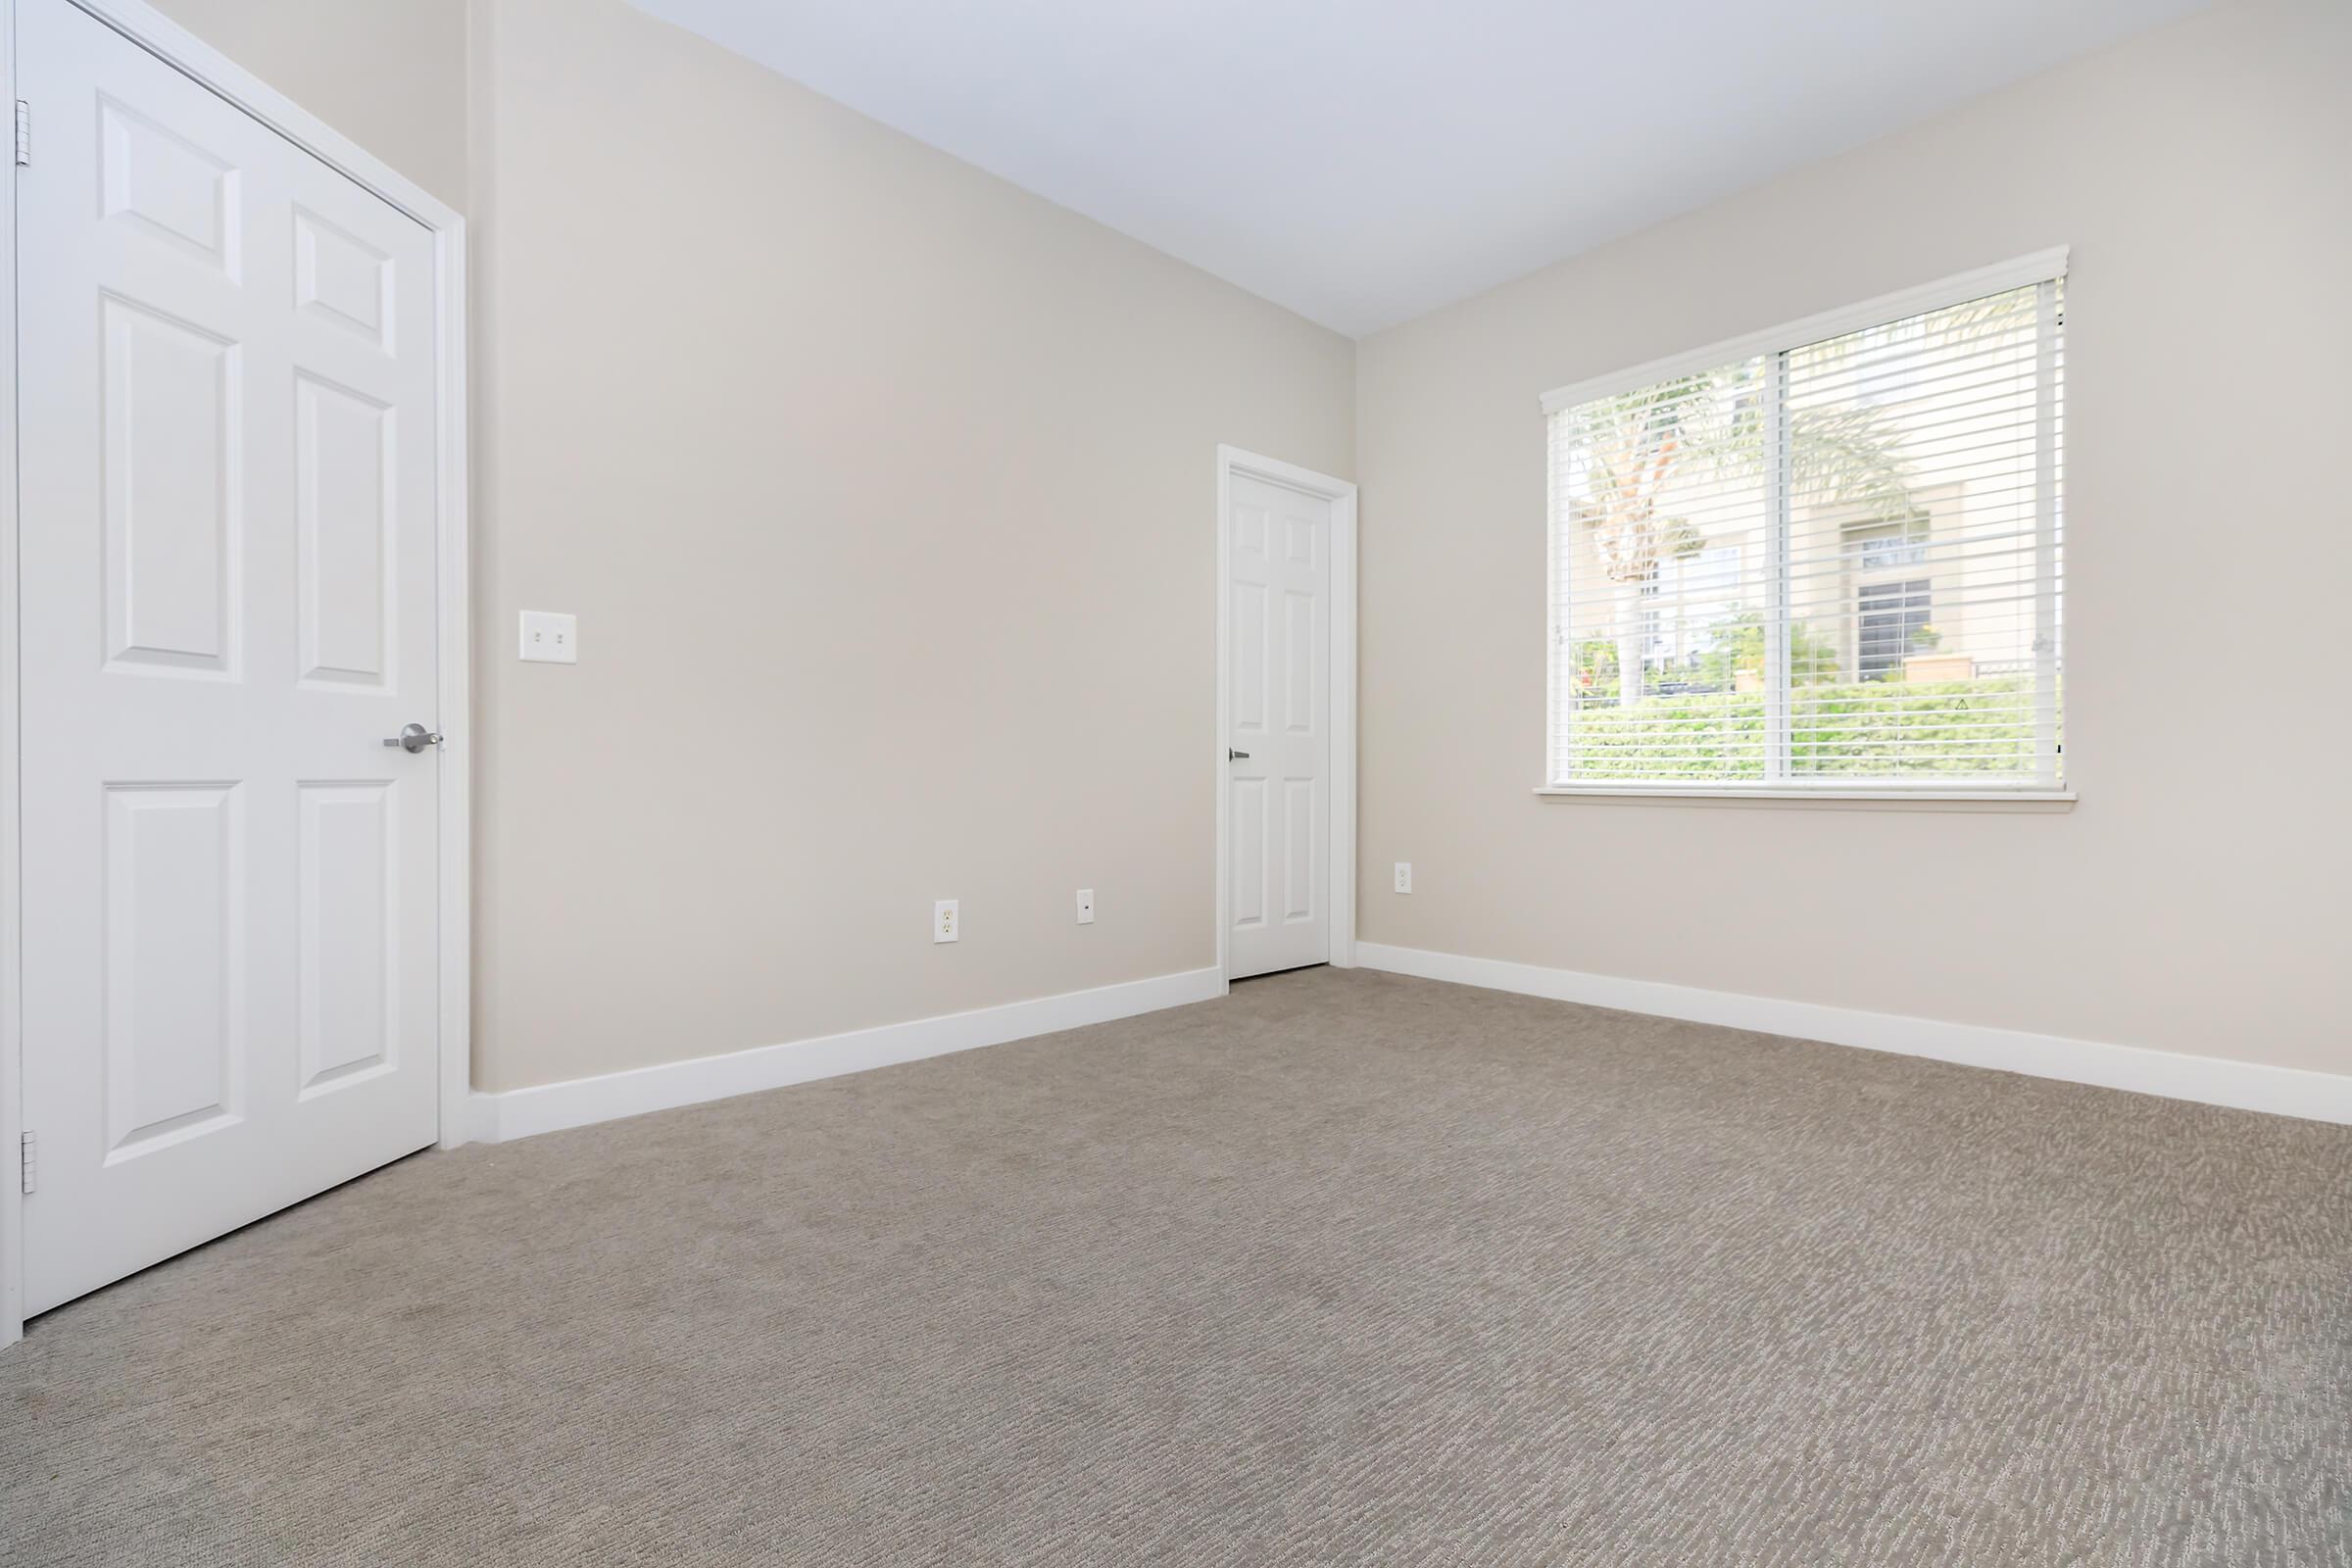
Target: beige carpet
(1346, 1269)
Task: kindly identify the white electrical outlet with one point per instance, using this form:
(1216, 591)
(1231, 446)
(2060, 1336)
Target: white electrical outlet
(1404, 876)
(946, 922)
(1086, 905)
(550, 637)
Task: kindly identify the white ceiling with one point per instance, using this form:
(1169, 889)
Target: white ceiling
(1364, 161)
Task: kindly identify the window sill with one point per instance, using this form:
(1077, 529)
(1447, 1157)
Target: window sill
(1880, 798)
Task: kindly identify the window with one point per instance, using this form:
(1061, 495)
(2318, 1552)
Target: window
(1823, 560)
(1894, 617)
(1894, 546)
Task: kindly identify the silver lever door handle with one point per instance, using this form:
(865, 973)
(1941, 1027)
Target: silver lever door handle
(415, 738)
(1232, 756)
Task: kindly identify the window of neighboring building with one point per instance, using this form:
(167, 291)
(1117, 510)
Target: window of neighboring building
(1893, 620)
(1827, 558)
(1891, 548)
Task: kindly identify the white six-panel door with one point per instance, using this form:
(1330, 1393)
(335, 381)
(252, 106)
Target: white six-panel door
(1278, 768)
(227, 583)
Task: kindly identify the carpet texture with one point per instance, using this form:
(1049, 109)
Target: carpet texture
(1346, 1269)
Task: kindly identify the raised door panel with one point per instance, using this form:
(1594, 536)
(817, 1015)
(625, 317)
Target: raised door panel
(349, 923)
(343, 534)
(341, 279)
(170, 460)
(1298, 900)
(1252, 609)
(164, 186)
(1300, 629)
(174, 961)
(1246, 825)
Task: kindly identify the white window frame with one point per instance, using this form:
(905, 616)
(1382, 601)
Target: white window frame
(2040, 266)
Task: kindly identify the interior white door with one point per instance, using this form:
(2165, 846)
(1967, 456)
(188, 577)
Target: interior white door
(1278, 761)
(227, 576)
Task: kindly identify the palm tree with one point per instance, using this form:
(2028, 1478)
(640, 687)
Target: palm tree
(1631, 449)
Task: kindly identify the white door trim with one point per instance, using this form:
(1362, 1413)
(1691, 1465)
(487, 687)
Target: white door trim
(159, 36)
(1341, 860)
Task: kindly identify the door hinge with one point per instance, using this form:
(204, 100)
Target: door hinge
(23, 134)
(28, 1163)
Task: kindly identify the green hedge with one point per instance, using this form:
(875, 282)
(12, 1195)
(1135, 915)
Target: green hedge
(1979, 726)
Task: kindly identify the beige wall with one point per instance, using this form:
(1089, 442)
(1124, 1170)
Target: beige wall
(2195, 898)
(888, 524)
(388, 74)
(885, 494)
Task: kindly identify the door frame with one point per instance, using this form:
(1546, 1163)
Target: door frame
(1340, 854)
(149, 29)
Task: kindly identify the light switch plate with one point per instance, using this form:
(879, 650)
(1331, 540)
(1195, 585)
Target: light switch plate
(550, 637)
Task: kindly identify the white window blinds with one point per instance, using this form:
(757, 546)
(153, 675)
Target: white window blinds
(1826, 558)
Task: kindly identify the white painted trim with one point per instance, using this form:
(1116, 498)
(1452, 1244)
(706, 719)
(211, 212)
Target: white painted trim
(144, 25)
(2176, 1075)
(2038, 267)
(454, 561)
(1877, 790)
(12, 1018)
(1340, 852)
(1822, 795)
(580, 1102)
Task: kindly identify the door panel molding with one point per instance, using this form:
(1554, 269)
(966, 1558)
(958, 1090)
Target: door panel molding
(1338, 883)
(151, 30)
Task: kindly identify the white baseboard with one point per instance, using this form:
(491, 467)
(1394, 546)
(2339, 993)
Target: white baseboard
(2212, 1080)
(551, 1107)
